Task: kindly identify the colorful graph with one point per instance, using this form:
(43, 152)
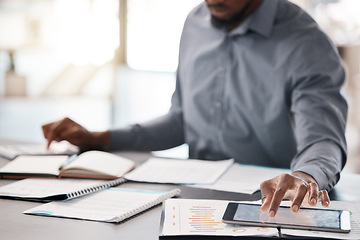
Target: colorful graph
(202, 219)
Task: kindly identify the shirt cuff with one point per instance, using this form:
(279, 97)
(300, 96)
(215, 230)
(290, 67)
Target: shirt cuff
(323, 161)
(120, 139)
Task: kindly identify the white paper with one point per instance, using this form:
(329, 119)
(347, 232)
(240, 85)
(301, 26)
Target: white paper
(353, 207)
(243, 178)
(109, 205)
(35, 164)
(11, 151)
(203, 217)
(185, 171)
(99, 163)
(40, 188)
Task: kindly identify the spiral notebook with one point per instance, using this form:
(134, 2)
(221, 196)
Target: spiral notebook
(110, 205)
(54, 189)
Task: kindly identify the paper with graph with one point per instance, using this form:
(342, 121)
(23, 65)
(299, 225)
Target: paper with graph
(203, 217)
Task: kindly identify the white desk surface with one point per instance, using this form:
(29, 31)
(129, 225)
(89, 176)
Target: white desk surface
(15, 225)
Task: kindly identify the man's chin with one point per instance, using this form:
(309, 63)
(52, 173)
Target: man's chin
(220, 22)
(220, 14)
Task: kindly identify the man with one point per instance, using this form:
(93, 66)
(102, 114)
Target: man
(257, 81)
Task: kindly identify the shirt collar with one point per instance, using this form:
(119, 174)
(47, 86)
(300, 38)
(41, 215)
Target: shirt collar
(261, 20)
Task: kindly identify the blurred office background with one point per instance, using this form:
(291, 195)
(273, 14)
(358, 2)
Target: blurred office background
(109, 63)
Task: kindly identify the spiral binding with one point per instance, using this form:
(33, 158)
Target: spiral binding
(95, 188)
(148, 205)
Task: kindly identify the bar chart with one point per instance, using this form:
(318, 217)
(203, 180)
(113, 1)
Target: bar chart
(203, 217)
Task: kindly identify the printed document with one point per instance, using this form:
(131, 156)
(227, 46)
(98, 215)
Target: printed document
(203, 217)
(184, 171)
(243, 178)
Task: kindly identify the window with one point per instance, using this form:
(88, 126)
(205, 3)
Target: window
(154, 29)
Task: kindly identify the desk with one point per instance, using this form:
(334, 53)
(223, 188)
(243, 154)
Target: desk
(15, 225)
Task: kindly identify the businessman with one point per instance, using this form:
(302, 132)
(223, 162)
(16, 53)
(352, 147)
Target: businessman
(257, 81)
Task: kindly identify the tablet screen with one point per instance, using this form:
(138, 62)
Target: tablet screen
(319, 218)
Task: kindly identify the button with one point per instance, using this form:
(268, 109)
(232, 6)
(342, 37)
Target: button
(222, 68)
(218, 104)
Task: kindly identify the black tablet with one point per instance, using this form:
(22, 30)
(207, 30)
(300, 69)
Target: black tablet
(306, 218)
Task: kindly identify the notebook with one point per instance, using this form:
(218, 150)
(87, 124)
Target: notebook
(54, 189)
(91, 164)
(110, 205)
(10, 151)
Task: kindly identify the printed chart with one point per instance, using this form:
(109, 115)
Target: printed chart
(203, 217)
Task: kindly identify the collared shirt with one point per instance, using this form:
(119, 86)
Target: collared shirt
(267, 93)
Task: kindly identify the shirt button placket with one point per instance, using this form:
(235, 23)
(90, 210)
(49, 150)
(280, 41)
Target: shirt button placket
(218, 104)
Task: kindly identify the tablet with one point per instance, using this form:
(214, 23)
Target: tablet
(306, 218)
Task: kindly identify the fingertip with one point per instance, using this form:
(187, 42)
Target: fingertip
(295, 208)
(263, 208)
(313, 202)
(324, 198)
(48, 144)
(265, 205)
(271, 213)
(325, 203)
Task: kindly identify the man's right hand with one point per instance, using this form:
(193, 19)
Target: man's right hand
(67, 129)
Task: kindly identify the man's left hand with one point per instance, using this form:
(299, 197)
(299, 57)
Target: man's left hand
(299, 187)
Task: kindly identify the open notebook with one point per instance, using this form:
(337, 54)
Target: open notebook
(91, 164)
(10, 151)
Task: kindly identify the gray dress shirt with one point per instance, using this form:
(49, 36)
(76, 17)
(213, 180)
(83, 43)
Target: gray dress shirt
(266, 93)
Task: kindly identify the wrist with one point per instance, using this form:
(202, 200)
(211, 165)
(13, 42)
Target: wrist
(100, 140)
(304, 176)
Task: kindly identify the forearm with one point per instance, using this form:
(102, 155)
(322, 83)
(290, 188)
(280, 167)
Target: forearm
(99, 140)
(162, 133)
(323, 161)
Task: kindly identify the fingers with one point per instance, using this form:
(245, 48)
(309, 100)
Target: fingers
(53, 131)
(47, 129)
(267, 193)
(299, 187)
(313, 194)
(324, 198)
(272, 192)
(299, 196)
(285, 183)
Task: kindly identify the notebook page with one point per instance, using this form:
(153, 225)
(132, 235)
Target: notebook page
(101, 163)
(109, 205)
(35, 164)
(184, 171)
(10, 151)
